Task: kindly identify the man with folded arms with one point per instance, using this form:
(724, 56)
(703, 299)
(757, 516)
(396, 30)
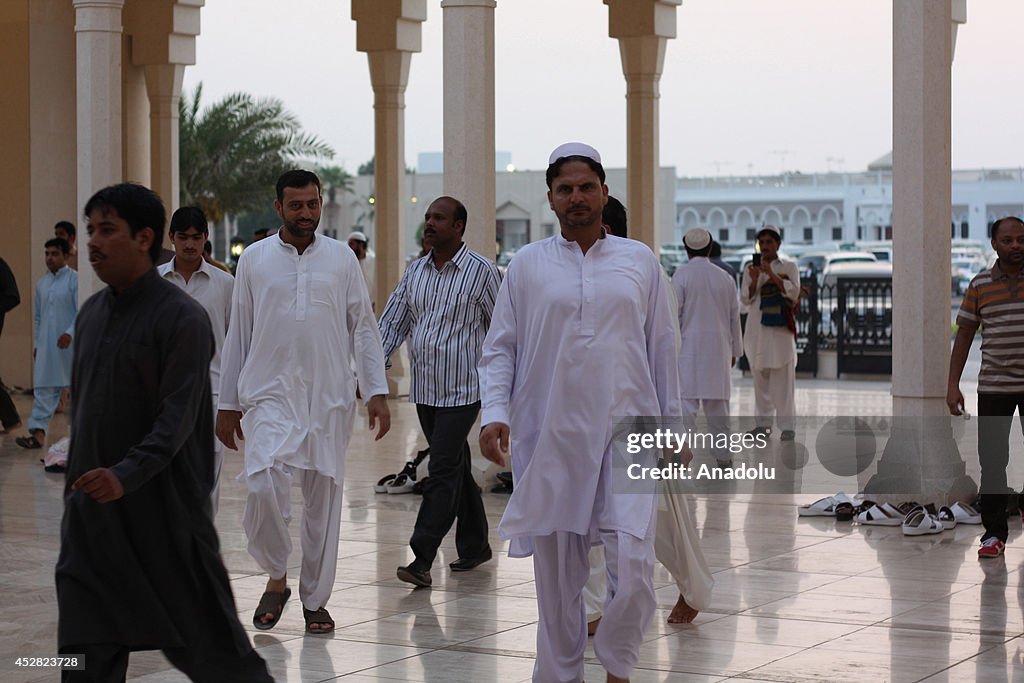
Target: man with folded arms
(583, 331)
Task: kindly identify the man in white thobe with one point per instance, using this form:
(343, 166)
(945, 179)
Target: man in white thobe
(583, 330)
(300, 314)
(710, 343)
(770, 291)
(212, 288)
(55, 308)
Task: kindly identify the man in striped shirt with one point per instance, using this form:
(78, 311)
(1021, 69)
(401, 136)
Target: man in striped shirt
(995, 302)
(444, 300)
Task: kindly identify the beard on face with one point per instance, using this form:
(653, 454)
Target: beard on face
(296, 230)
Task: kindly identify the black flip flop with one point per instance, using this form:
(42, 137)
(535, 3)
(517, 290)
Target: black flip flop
(30, 442)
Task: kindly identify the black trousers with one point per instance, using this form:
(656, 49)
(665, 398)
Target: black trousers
(996, 418)
(203, 664)
(8, 413)
(450, 491)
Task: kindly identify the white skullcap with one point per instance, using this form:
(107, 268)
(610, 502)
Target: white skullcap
(357, 235)
(697, 239)
(574, 149)
(772, 229)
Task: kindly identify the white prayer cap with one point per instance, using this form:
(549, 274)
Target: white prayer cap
(697, 239)
(357, 235)
(772, 229)
(574, 149)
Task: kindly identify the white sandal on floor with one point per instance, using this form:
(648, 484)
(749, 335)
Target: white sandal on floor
(920, 523)
(965, 514)
(826, 507)
(877, 515)
(947, 517)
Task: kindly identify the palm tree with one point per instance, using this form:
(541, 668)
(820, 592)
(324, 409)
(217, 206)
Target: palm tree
(335, 179)
(232, 152)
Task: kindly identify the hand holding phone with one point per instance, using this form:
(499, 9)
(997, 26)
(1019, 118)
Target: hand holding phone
(757, 260)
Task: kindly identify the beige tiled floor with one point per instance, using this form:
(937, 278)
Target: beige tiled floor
(795, 600)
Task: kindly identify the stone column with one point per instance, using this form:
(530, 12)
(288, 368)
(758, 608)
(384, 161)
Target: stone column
(98, 94)
(469, 173)
(163, 34)
(389, 31)
(642, 28)
(163, 83)
(921, 456)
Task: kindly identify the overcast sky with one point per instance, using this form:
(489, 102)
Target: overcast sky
(748, 85)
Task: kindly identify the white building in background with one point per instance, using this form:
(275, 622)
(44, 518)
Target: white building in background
(810, 208)
(522, 211)
(836, 207)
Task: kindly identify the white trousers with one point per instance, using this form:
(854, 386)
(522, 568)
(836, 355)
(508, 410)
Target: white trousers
(561, 568)
(677, 547)
(266, 519)
(595, 591)
(717, 413)
(774, 394)
(218, 464)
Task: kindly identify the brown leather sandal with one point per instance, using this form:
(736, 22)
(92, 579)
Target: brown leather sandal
(319, 616)
(270, 603)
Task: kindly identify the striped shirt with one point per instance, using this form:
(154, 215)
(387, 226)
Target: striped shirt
(447, 312)
(995, 302)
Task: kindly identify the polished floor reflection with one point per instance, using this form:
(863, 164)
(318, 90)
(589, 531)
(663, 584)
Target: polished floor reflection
(795, 600)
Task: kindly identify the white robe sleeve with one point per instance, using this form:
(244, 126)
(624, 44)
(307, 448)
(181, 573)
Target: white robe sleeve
(734, 322)
(497, 365)
(662, 332)
(365, 338)
(239, 338)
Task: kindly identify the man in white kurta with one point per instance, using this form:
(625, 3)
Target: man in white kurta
(212, 288)
(769, 344)
(54, 310)
(710, 343)
(582, 331)
(300, 315)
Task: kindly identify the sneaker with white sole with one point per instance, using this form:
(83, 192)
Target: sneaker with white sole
(991, 547)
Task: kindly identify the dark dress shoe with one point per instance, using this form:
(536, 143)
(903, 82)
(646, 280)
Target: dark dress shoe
(417, 577)
(464, 564)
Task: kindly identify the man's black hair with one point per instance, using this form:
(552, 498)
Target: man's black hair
(208, 248)
(297, 178)
(777, 236)
(614, 216)
(66, 226)
(460, 213)
(60, 243)
(998, 223)
(556, 167)
(706, 251)
(716, 250)
(138, 206)
(189, 217)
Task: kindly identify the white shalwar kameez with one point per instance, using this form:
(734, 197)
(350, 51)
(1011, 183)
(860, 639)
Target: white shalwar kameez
(297, 321)
(211, 287)
(771, 351)
(576, 340)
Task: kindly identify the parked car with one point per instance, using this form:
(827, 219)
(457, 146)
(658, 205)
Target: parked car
(817, 262)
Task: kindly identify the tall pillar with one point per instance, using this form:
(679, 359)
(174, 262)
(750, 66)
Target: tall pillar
(163, 34)
(922, 204)
(469, 173)
(642, 28)
(163, 83)
(389, 31)
(98, 95)
(921, 459)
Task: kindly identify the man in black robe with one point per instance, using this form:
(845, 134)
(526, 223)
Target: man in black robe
(140, 565)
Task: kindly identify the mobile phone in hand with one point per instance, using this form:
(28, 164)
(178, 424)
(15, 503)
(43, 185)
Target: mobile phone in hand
(757, 260)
